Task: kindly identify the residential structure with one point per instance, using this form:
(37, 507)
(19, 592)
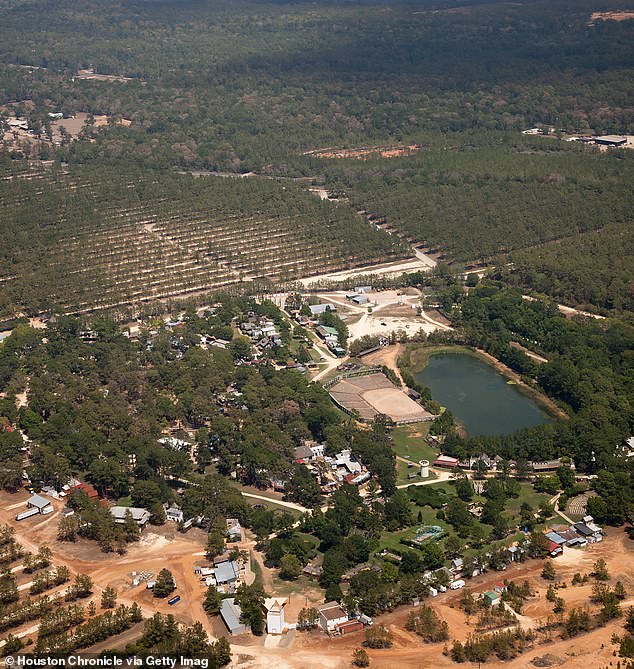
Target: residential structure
(140, 516)
(230, 613)
(330, 615)
(234, 529)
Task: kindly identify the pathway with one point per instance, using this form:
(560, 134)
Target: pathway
(555, 502)
(288, 505)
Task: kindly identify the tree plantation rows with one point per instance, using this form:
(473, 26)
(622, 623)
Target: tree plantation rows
(92, 237)
(478, 195)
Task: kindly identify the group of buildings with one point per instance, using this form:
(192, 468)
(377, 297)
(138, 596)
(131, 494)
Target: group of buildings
(331, 471)
(261, 330)
(327, 334)
(493, 464)
(576, 535)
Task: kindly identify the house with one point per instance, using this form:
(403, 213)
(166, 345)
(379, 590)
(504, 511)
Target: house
(475, 461)
(446, 462)
(330, 615)
(304, 452)
(174, 513)
(175, 444)
(227, 573)
(317, 309)
(589, 531)
(40, 503)
(357, 479)
(140, 516)
(234, 529)
(491, 598)
(546, 466)
(555, 538)
(274, 611)
(345, 461)
(456, 565)
(328, 334)
(554, 549)
(87, 489)
(312, 571)
(230, 613)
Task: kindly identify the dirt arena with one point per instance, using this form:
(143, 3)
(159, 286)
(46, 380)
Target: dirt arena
(375, 394)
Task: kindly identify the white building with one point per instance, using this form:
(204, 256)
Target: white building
(330, 615)
(274, 607)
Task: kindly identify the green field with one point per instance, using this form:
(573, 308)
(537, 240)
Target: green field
(527, 494)
(409, 442)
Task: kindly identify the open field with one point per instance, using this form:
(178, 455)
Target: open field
(366, 152)
(613, 15)
(375, 394)
(409, 442)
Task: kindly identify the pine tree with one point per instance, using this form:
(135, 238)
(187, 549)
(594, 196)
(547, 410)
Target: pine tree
(108, 598)
(165, 583)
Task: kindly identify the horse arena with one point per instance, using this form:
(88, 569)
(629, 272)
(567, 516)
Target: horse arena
(374, 394)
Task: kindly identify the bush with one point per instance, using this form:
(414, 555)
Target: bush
(378, 637)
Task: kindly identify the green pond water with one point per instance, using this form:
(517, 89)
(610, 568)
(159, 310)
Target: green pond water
(478, 396)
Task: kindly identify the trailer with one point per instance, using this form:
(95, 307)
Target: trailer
(174, 600)
(27, 514)
(456, 585)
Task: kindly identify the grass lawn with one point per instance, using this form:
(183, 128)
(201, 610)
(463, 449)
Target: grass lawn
(297, 588)
(272, 499)
(392, 540)
(409, 442)
(527, 494)
(402, 470)
(257, 570)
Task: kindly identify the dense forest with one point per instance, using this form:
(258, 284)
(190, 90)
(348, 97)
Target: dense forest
(478, 195)
(249, 85)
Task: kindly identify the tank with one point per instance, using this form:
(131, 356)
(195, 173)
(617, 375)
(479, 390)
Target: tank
(424, 469)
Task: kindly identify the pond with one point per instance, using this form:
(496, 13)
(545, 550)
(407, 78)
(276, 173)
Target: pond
(480, 398)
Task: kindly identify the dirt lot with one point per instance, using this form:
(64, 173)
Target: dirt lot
(375, 394)
(158, 548)
(615, 15)
(383, 269)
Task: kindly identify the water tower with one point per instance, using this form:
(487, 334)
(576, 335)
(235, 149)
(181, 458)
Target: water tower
(424, 469)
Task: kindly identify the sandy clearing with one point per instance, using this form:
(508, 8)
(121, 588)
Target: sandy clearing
(384, 269)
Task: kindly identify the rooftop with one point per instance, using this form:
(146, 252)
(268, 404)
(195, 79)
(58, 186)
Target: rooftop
(332, 611)
(38, 501)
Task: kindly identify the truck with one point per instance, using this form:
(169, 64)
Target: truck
(174, 600)
(456, 585)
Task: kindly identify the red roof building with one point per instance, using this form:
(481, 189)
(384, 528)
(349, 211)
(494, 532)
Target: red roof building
(87, 489)
(445, 461)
